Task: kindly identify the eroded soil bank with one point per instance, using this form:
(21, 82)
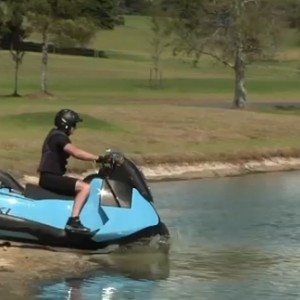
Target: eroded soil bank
(185, 171)
(22, 269)
(219, 169)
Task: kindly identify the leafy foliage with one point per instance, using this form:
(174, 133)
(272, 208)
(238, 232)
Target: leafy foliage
(141, 7)
(232, 32)
(61, 20)
(12, 21)
(292, 12)
(103, 12)
(14, 30)
(69, 33)
(204, 26)
(2, 25)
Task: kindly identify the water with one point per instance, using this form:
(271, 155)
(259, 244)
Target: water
(232, 238)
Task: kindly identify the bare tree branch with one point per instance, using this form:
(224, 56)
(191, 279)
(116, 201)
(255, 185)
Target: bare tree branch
(218, 58)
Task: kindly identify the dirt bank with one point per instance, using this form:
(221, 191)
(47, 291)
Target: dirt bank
(219, 169)
(21, 269)
(185, 171)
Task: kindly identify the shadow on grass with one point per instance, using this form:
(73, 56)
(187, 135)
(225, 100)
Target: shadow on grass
(11, 96)
(37, 95)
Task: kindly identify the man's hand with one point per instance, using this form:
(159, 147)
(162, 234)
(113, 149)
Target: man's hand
(100, 159)
(111, 160)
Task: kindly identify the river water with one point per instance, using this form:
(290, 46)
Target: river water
(232, 238)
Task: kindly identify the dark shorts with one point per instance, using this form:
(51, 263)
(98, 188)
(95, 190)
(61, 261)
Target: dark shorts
(59, 184)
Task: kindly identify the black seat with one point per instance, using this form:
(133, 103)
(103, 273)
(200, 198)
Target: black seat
(7, 181)
(35, 192)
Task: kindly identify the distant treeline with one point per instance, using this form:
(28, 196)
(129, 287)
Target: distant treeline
(143, 7)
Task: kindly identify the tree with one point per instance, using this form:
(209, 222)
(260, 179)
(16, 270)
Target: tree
(63, 22)
(1, 21)
(14, 30)
(103, 12)
(158, 42)
(136, 6)
(70, 33)
(233, 32)
(40, 16)
(292, 12)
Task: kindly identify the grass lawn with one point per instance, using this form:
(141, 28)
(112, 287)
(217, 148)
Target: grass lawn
(189, 118)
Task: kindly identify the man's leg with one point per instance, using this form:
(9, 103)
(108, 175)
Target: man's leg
(82, 192)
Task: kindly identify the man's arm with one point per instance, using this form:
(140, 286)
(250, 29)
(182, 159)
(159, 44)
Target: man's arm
(79, 153)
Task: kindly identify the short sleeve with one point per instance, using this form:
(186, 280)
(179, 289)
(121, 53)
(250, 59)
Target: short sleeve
(62, 140)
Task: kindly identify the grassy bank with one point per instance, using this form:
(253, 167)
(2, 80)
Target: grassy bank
(188, 118)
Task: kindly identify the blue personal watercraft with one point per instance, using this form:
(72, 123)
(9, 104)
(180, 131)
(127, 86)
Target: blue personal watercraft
(119, 210)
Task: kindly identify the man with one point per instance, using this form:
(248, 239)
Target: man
(57, 148)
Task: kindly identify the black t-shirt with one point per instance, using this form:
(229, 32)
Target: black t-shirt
(54, 158)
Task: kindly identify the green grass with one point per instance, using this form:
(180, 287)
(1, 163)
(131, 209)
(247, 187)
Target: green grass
(109, 77)
(32, 121)
(188, 118)
(133, 37)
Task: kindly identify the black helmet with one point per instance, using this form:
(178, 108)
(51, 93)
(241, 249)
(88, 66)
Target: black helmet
(65, 119)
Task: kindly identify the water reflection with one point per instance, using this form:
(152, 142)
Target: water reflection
(147, 276)
(119, 276)
(149, 266)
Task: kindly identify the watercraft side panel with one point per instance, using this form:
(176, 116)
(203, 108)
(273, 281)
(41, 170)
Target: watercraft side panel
(124, 221)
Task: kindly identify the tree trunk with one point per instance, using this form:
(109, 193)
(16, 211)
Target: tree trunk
(17, 57)
(15, 93)
(240, 94)
(44, 86)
